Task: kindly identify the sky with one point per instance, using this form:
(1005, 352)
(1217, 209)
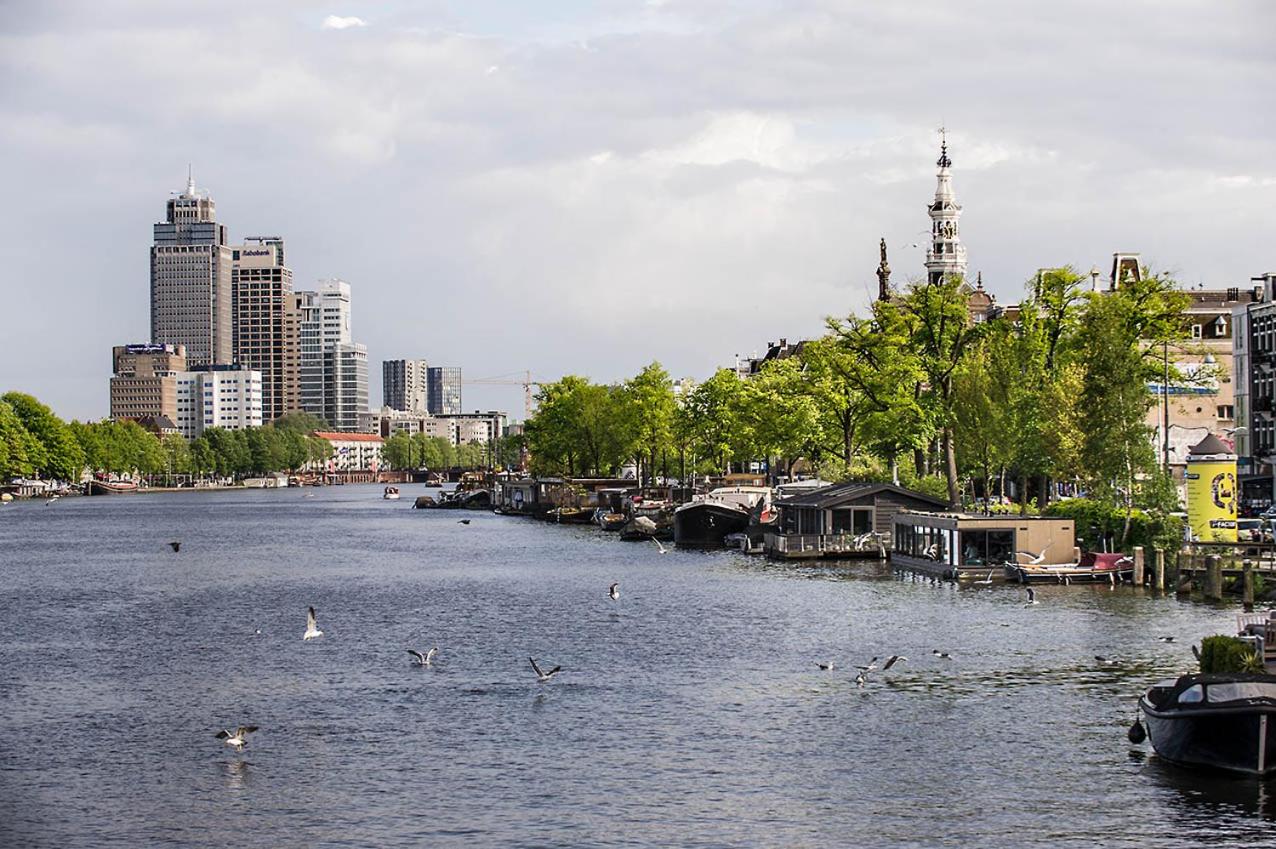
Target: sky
(583, 188)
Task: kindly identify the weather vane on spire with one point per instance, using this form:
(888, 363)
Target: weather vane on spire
(944, 161)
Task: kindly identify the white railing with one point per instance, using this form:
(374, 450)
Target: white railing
(824, 543)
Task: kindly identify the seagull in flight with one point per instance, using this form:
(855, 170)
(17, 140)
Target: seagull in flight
(613, 592)
(238, 738)
(942, 655)
(1166, 639)
(827, 667)
(176, 545)
(1032, 597)
(1196, 652)
(868, 667)
(1107, 661)
(892, 660)
(860, 679)
(985, 581)
(663, 550)
(1034, 559)
(312, 629)
(542, 676)
(423, 659)
(52, 498)
(462, 521)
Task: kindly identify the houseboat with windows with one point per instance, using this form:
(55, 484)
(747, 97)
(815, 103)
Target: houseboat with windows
(958, 545)
(705, 521)
(841, 520)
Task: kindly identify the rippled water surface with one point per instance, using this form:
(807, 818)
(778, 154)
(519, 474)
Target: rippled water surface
(689, 713)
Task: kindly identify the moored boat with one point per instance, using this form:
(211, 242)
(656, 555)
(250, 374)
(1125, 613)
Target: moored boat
(1217, 721)
(97, 487)
(391, 493)
(1093, 567)
(706, 521)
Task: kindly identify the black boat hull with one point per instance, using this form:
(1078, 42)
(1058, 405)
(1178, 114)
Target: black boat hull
(706, 524)
(1234, 739)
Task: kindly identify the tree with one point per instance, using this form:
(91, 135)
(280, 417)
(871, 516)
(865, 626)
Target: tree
(707, 419)
(20, 452)
(177, 453)
(60, 455)
(398, 450)
(301, 422)
(650, 411)
(778, 416)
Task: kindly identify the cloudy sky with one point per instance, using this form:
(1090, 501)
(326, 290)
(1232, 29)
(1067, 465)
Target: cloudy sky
(583, 187)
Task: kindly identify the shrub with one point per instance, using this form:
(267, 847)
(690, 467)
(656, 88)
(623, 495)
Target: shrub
(1225, 654)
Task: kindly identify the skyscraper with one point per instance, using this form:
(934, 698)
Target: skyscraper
(405, 385)
(444, 390)
(333, 368)
(191, 286)
(266, 336)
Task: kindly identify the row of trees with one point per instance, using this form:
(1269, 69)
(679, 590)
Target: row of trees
(35, 442)
(913, 391)
(418, 451)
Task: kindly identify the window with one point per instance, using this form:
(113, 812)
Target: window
(849, 520)
(1196, 331)
(981, 548)
(1226, 411)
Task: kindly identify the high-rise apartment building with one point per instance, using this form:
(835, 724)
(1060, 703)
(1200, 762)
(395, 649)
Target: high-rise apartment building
(346, 378)
(405, 385)
(191, 286)
(145, 381)
(267, 335)
(444, 390)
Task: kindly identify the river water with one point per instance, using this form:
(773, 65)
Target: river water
(690, 712)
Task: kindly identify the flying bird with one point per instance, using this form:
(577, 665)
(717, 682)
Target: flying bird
(827, 667)
(892, 660)
(663, 550)
(176, 545)
(423, 659)
(860, 679)
(942, 655)
(1107, 661)
(312, 630)
(544, 676)
(462, 521)
(1034, 559)
(1032, 597)
(1196, 652)
(1166, 639)
(869, 667)
(52, 498)
(613, 592)
(985, 581)
(238, 738)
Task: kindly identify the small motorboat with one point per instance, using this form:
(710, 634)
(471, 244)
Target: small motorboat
(1093, 567)
(391, 493)
(1217, 721)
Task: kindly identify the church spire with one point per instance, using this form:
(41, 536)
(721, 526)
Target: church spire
(190, 180)
(883, 276)
(946, 255)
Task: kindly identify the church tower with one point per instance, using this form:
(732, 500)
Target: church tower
(947, 255)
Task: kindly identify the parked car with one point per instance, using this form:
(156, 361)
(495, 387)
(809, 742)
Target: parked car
(1253, 530)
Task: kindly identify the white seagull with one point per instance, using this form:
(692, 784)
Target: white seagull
(663, 550)
(892, 660)
(1166, 639)
(827, 667)
(860, 679)
(423, 659)
(312, 630)
(238, 738)
(869, 667)
(1107, 661)
(544, 676)
(1034, 559)
(942, 655)
(1032, 597)
(52, 498)
(985, 581)
(613, 592)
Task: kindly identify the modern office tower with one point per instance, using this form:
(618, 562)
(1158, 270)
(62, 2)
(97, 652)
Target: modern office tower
(405, 385)
(346, 373)
(145, 381)
(227, 397)
(266, 337)
(191, 280)
(444, 390)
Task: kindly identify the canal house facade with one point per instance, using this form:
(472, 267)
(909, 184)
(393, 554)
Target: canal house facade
(845, 519)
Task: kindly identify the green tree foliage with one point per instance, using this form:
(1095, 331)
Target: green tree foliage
(708, 420)
(649, 415)
(300, 422)
(60, 455)
(20, 452)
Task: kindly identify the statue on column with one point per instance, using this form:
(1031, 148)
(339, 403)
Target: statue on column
(883, 276)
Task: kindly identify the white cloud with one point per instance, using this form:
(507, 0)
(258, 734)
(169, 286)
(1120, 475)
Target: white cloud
(337, 22)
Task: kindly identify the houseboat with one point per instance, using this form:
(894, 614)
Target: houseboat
(958, 545)
(841, 520)
(706, 521)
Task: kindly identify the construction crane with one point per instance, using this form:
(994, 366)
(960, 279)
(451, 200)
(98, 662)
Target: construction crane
(523, 379)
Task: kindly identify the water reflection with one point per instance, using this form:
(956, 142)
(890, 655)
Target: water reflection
(236, 774)
(1206, 795)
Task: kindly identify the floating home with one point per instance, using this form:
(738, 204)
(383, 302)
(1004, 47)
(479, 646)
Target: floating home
(957, 545)
(842, 520)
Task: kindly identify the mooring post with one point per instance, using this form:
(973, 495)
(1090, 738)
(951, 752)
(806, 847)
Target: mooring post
(1178, 582)
(1158, 576)
(1138, 565)
(1214, 577)
(1247, 582)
